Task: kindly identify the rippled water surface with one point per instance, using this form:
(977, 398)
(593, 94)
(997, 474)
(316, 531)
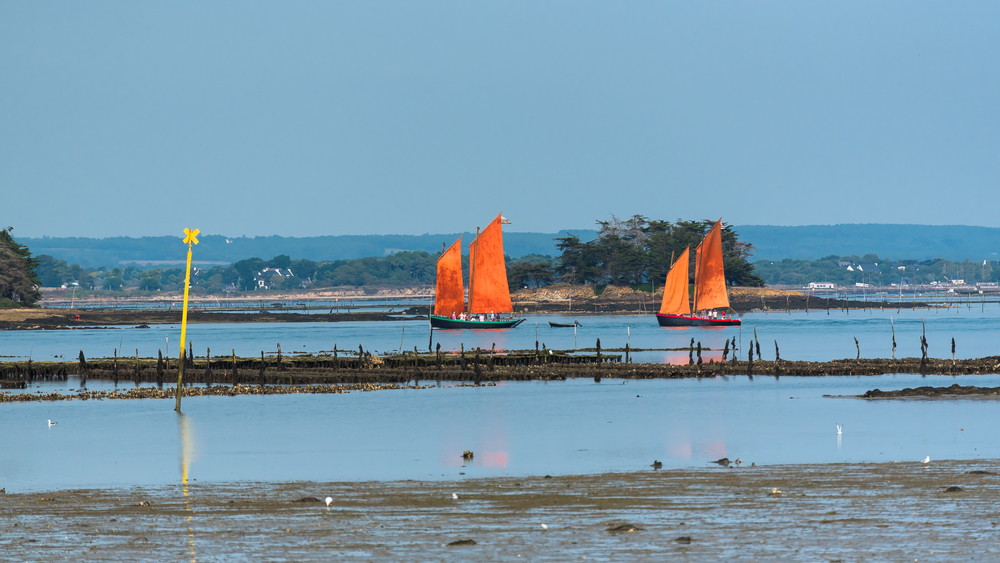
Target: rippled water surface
(531, 428)
(816, 336)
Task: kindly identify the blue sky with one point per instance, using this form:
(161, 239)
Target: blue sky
(314, 118)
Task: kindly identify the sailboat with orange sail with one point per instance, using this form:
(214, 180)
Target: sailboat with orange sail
(710, 296)
(489, 294)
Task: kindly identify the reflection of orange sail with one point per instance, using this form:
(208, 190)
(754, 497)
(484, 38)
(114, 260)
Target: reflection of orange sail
(450, 295)
(676, 299)
(709, 277)
(488, 290)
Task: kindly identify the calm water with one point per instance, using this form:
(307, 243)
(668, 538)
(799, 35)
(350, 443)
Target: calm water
(575, 426)
(535, 428)
(800, 336)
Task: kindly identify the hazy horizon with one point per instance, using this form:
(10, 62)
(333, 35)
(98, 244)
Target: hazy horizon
(318, 118)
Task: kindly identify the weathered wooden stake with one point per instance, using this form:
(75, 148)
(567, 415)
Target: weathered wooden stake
(892, 326)
(159, 368)
(208, 366)
(180, 380)
(83, 370)
(262, 380)
(475, 367)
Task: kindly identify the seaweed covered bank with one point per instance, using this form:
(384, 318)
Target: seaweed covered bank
(942, 511)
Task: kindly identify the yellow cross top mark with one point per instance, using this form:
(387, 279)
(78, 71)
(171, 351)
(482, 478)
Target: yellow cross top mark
(190, 236)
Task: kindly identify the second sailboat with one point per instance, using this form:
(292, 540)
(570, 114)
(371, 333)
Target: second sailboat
(710, 296)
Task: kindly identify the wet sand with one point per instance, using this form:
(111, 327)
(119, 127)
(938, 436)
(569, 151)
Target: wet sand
(888, 512)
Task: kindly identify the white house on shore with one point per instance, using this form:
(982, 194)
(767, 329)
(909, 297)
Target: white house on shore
(821, 285)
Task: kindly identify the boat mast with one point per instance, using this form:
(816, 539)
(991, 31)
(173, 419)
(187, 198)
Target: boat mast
(434, 300)
(697, 270)
(472, 271)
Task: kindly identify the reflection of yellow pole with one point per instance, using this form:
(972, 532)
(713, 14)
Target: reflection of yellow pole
(189, 239)
(186, 450)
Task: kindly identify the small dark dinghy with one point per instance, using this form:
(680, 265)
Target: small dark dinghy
(560, 325)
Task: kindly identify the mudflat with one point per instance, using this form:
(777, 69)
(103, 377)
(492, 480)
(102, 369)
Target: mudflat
(939, 511)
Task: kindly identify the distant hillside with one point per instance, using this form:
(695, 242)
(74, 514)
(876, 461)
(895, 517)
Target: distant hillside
(918, 242)
(112, 252)
(954, 242)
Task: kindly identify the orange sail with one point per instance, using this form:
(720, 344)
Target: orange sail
(676, 298)
(709, 277)
(488, 289)
(450, 295)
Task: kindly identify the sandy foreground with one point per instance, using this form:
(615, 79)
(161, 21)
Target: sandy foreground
(852, 512)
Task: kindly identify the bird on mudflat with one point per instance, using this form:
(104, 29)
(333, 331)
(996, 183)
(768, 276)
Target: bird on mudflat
(839, 430)
(657, 464)
(926, 460)
(329, 501)
(723, 462)
(52, 423)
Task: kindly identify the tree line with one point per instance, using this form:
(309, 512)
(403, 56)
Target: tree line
(625, 252)
(639, 250)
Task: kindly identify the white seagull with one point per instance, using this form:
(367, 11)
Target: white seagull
(544, 527)
(839, 430)
(926, 460)
(52, 423)
(454, 496)
(329, 501)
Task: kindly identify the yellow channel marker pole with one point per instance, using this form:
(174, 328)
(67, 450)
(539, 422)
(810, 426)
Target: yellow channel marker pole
(190, 238)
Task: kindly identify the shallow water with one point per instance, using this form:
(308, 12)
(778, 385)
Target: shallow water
(816, 336)
(530, 428)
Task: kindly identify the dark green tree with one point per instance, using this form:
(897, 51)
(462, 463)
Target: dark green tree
(638, 250)
(18, 280)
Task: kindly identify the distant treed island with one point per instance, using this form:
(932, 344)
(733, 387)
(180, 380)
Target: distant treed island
(634, 252)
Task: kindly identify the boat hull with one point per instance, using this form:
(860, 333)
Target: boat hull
(447, 323)
(681, 320)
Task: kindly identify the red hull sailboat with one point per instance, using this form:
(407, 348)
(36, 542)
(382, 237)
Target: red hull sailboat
(710, 294)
